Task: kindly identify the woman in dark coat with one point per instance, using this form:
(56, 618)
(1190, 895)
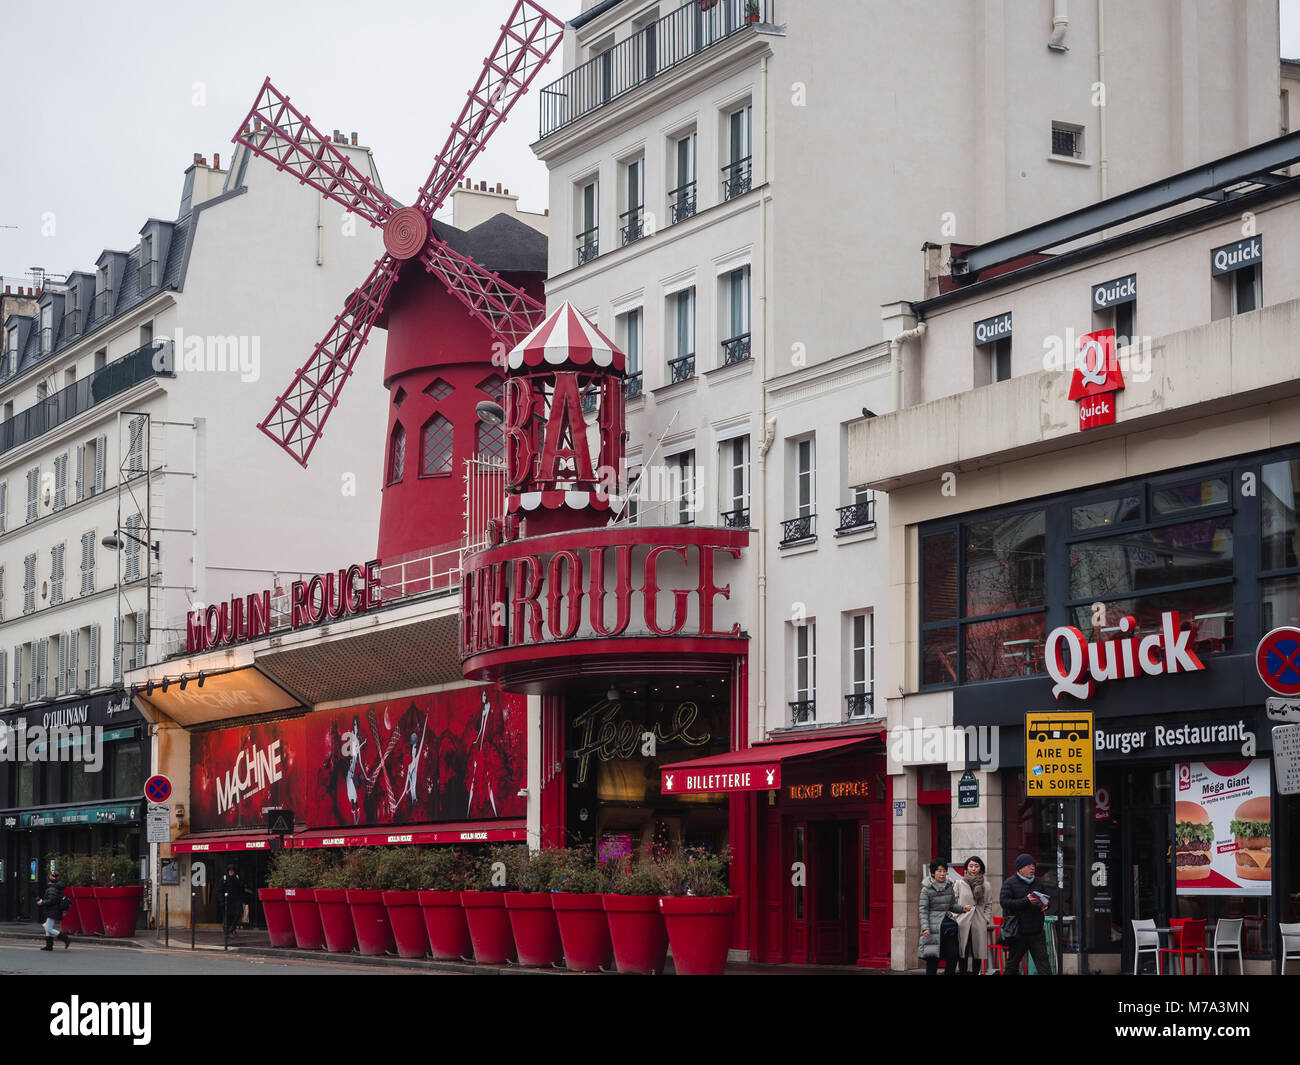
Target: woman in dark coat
(938, 902)
(54, 904)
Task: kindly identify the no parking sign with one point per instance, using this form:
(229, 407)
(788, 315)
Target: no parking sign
(1278, 660)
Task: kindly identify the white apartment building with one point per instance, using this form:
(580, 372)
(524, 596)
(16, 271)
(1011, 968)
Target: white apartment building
(738, 194)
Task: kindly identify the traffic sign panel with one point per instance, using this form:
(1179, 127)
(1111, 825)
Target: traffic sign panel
(1059, 754)
(1278, 660)
(157, 788)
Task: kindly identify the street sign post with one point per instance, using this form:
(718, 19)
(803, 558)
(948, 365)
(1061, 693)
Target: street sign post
(1286, 758)
(1058, 754)
(158, 821)
(158, 789)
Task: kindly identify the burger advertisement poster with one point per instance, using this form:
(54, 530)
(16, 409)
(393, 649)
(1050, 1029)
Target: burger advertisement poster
(1223, 828)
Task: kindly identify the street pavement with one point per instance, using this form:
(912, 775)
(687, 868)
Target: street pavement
(21, 958)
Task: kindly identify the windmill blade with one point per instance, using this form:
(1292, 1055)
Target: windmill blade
(280, 133)
(298, 417)
(528, 39)
(509, 312)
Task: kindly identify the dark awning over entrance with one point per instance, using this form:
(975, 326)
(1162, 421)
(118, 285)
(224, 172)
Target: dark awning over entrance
(756, 768)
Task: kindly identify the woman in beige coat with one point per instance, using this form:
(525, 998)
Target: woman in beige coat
(973, 924)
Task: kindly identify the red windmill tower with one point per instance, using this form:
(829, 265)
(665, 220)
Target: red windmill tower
(445, 322)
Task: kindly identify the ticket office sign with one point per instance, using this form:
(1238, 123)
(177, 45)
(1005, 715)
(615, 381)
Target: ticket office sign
(1059, 755)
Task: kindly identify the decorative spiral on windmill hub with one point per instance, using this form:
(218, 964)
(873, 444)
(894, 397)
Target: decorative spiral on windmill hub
(405, 233)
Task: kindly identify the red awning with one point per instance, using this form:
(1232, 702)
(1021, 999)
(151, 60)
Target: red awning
(221, 841)
(450, 832)
(756, 768)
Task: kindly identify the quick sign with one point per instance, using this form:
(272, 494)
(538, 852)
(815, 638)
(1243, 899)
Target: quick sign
(1236, 256)
(1113, 293)
(991, 330)
(1058, 754)
(1097, 377)
(1078, 666)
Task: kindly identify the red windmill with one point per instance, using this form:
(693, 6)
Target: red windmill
(438, 361)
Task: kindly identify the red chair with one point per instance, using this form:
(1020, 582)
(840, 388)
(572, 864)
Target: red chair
(997, 952)
(1191, 944)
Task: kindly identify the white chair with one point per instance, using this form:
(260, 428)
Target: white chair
(1290, 943)
(1227, 939)
(1145, 938)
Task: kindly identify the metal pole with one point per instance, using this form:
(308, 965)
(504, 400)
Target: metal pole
(167, 922)
(193, 892)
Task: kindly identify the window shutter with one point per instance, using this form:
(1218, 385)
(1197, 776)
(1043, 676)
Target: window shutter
(29, 584)
(33, 487)
(18, 674)
(61, 481)
(56, 573)
(2, 602)
(87, 562)
(92, 659)
(101, 446)
(141, 638)
(42, 669)
(135, 452)
(117, 649)
(4, 506)
(72, 684)
(132, 548)
(61, 677)
(81, 472)
(4, 671)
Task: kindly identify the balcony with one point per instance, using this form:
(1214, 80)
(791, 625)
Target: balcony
(857, 706)
(803, 712)
(799, 530)
(860, 515)
(737, 178)
(682, 369)
(660, 46)
(588, 245)
(736, 519)
(152, 360)
(681, 202)
(103, 303)
(632, 385)
(735, 350)
(632, 226)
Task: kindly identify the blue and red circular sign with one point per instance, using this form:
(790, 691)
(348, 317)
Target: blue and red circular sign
(1278, 660)
(157, 788)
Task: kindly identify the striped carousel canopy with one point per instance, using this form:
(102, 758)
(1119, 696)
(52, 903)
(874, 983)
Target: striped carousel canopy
(566, 338)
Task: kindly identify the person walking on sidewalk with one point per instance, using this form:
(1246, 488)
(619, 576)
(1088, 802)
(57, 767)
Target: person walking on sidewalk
(977, 909)
(232, 899)
(938, 910)
(54, 904)
(1024, 906)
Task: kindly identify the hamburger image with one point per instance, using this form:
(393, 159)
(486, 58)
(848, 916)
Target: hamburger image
(1193, 835)
(1252, 831)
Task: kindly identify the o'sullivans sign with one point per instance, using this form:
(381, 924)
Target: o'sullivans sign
(1078, 666)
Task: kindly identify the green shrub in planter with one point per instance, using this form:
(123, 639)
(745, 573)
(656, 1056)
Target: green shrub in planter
(113, 869)
(444, 869)
(297, 869)
(696, 872)
(578, 873)
(535, 870)
(642, 877)
(501, 863)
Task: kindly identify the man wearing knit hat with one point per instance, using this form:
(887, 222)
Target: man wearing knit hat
(1024, 907)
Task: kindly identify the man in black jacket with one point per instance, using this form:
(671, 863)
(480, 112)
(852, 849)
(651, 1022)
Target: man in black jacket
(53, 906)
(1027, 905)
(232, 898)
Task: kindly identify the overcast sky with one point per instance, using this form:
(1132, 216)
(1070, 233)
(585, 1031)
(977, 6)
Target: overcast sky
(106, 104)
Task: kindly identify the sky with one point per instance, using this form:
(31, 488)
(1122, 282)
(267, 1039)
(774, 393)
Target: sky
(106, 104)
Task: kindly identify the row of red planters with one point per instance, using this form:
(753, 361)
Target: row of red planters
(102, 911)
(587, 932)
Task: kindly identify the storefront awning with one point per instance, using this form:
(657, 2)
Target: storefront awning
(451, 832)
(213, 842)
(756, 768)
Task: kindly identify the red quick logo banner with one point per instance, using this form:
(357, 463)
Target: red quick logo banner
(1097, 377)
(1078, 666)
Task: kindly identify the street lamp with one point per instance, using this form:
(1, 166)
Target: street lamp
(114, 542)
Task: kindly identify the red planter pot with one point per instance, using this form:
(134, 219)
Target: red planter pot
(532, 922)
(407, 920)
(699, 930)
(118, 909)
(279, 925)
(636, 932)
(336, 920)
(489, 926)
(444, 920)
(85, 910)
(308, 932)
(370, 919)
(584, 931)
(71, 922)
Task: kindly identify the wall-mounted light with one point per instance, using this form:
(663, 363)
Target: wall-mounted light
(490, 412)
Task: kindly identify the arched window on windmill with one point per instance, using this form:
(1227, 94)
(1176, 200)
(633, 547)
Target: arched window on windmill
(396, 454)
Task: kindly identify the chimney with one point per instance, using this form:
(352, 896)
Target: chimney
(216, 160)
(197, 158)
(354, 136)
(498, 188)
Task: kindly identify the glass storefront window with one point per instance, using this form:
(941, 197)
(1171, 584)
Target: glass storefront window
(940, 554)
(1009, 647)
(1106, 512)
(1005, 561)
(940, 662)
(1156, 558)
(1279, 503)
(1212, 492)
(127, 780)
(26, 781)
(1280, 603)
(80, 784)
(1047, 830)
(1210, 609)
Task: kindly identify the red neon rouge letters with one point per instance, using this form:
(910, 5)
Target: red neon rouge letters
(1077, 666)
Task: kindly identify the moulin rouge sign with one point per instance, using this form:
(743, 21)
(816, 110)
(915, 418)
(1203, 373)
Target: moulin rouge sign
(325, 597)
(1078, 666)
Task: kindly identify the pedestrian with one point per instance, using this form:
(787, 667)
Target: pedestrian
(232, 899)
(1023, 908)
(938, 911)
(977, 912)
(54, 904)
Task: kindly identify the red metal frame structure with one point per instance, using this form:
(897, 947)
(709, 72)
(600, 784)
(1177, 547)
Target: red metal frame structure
(277, 131)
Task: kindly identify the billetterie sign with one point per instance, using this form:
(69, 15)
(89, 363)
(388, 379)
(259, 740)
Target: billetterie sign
(1078, 666)
(325, 597)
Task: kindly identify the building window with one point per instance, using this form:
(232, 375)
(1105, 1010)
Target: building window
(802, 526)
(733, 461)
(588, 221)
(437, 438)
(735, 309)
(682, 198)
(737, 174)
(88, 562)
(862, 665)
(396, 454)
(803, 708)
(47, 329)
(489, 444)
(1000, 353)
(11, 352)
(438, 389)
(859, 512)
(631, 222)
(631, 328)
(682, 469)
(1245, 289)
(681, 363)
(103, 293)
(1067, 140)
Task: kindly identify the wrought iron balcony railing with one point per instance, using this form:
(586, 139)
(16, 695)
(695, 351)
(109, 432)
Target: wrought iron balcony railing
(682, 202)
(103, 303)
(662, 45)
(860, 515)
(71, 323)
(588, 244)
(633, 227)
(803, 711)
(590, 401)
(632, 385)
(736, 349)
(150, 275)
(682, 369)
(857, 705)
(736, 519)
(797, 530)
(737, 178)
